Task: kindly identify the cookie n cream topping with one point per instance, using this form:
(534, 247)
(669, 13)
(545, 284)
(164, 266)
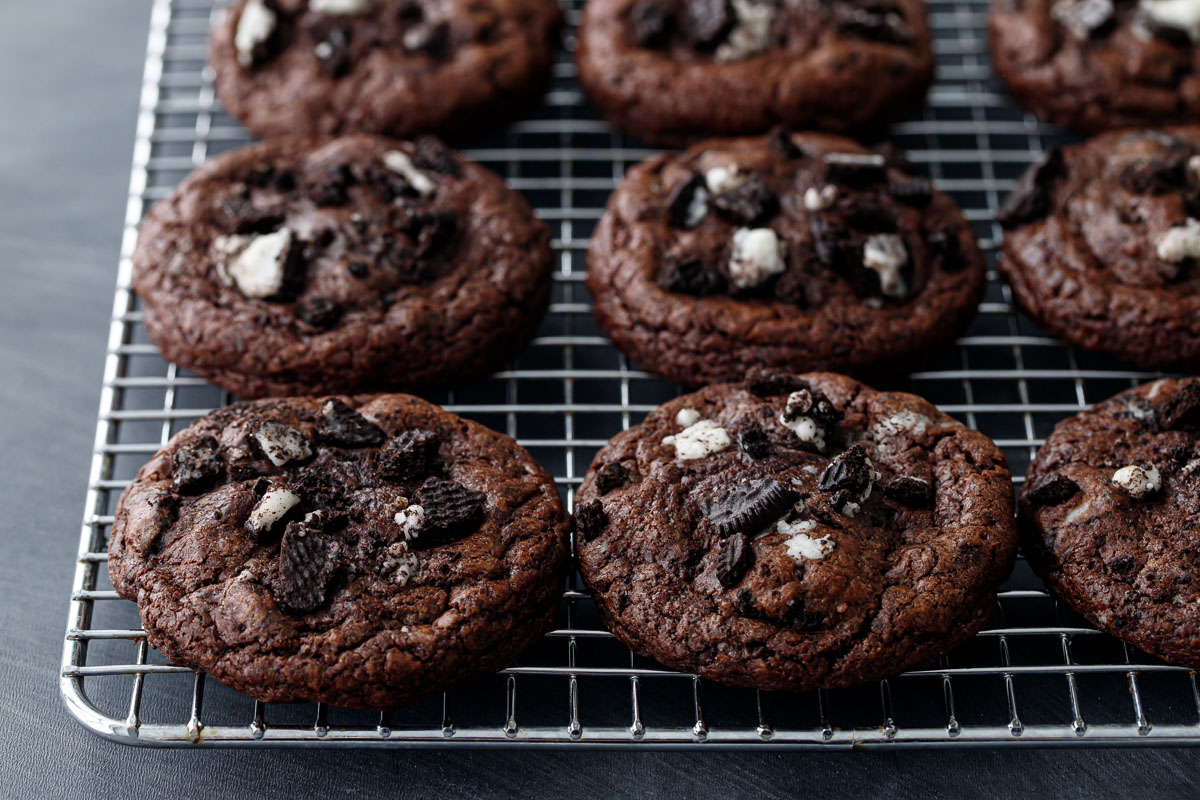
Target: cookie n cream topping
(281, 443)
(803, 547)
(751, 34)
(399, 162)
(1180, 242)
(1182, 15)
(255, 26)
(339, 7)
(886, 254)
(256, 265)
(1083, 18)
(758, 253)
(275, 503)
(1137, 480)
(400, 565)
(820, 199)
(795, 418)
(724, 179)
(687, 417)
(411, 520)
(698, 440)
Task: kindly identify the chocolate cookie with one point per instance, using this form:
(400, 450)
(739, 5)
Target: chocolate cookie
(800, 251)
(400, 67)
(359, 551)
(362, 263)
(672, 71)
(1109, 515)
(1095, 65)
(1102, 241)
(795, 532)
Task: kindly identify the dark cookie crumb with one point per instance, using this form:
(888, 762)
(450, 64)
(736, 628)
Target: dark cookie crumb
(734, 557)
(307, 564)
(590, 519)
(680, 200)
(855, 170)
(849, 471)
(1030, 199)
(748, 507)
(197, 466)
(451, 511)
(690, 276)
(755, 442)
(909, 491)
(769, 382)
(649, 22)
(411, 456)
(750, 203)
(613, 475)
(342, 425)
(319, 312)
(1050, 490)
(706, 22)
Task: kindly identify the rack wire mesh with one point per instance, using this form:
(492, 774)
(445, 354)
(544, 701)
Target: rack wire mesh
(1037, 675)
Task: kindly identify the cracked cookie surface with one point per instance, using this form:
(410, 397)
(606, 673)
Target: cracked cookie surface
(397, 67)
(1102, 243)
(800, 251)
(1094, 65)
(795, 532)
(360, 264)
(361, 551)
(672, 71)
(1108, 515)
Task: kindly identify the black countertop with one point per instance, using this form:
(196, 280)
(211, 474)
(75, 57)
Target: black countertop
(70, 73)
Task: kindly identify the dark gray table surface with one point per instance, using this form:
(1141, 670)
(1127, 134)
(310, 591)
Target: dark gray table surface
(69, 79)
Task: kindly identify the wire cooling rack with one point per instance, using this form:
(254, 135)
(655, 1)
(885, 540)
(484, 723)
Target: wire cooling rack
(1037, 675)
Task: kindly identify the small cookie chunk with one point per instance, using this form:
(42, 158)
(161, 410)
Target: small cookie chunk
(672, 71)
(1094, 65)
(1102, 245)
(1107, 517)
(336, 577)
(747, 251)
(799, 567)
(396, 67)
(360, 263)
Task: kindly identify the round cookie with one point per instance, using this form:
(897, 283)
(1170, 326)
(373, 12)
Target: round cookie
(798, 251)
(795, 532)
(397, 67)
(1101, 245)
(359, 264)
(672, 71)
(1108, 517)
(359, 551)
(1094, 65)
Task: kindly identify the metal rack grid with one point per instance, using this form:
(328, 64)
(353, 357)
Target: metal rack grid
(1037, 675)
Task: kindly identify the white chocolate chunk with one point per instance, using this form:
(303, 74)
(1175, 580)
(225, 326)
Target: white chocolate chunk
(281, 443)
(792, 528)
(1180, 242)
(400, 565)
(399, 162)
(411, 520)
(1139, 481)
(886, 254)
(801, 546)
(339, 7)
(819, 199)
(1182, 15)
(255, 264)
(757, 254)
(699, 440)
(687, 417)
(1193, 166)
(724, 179)
(272, 506)
(751, 34)
(255, 26)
